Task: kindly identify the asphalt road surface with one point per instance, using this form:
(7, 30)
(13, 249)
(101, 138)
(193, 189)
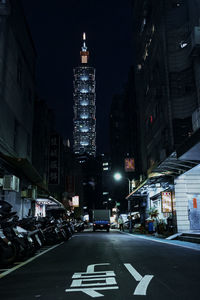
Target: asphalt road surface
(112, 265)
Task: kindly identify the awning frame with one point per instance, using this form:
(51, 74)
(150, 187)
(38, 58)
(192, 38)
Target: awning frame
(170, 167)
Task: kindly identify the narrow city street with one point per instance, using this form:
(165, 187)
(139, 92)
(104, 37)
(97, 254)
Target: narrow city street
(110, 265)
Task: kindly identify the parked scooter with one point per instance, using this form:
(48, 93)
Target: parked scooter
(19, 237)
(34, 231)
(8, 250)
(79, 226)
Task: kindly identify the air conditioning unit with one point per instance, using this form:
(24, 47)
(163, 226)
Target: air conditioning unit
(29, 193)
(24, 194)
(32, 193)
(195, 40)
(11, 183)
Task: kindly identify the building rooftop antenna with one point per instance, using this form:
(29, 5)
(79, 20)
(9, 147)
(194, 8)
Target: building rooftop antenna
(84, 53)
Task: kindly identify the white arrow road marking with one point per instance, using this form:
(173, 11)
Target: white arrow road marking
(142, 286)
(92, 291)
(92, 280)
(133, 272)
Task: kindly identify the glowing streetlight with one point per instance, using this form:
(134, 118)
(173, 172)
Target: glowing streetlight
(117, 176)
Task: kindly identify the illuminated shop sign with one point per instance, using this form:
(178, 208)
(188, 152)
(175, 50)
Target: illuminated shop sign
(129, 164)
(75, 201)
(166, 202)
(45, 202)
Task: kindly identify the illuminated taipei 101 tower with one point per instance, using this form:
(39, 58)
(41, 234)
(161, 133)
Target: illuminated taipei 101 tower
(84, 106)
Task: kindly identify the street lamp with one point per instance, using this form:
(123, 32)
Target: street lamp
(117, 176)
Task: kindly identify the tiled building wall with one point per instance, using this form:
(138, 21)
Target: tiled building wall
(185, 185)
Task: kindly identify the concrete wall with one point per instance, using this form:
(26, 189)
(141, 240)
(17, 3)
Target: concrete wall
(19, 205)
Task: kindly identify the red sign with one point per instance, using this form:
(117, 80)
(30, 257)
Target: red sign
(194, 202)
(129, 164)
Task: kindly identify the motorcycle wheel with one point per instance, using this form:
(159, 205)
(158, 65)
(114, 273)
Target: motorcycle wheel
(8, 254)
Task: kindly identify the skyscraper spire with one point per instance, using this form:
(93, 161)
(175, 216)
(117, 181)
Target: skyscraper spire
(84, 53)
(84, 47)
(84, 106)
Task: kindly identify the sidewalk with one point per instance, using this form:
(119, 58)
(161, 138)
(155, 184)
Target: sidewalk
(161, 239)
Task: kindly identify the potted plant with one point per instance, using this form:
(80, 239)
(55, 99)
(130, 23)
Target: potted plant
(153, 213)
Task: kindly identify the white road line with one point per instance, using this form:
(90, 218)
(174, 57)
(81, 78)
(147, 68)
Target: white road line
(133, 272)
(98, 275)
(90, 268)
(27, 261)
(106, 281)
(92, 291)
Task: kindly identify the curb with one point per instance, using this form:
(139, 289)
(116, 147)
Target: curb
(188, 245)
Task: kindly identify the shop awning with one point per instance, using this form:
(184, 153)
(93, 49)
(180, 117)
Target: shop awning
(174, 166)
(168, 168)
(152, 180)
(51, 204)
(50, 201)
(135, 190)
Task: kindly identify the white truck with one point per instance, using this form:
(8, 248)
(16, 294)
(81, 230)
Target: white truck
(101, 219)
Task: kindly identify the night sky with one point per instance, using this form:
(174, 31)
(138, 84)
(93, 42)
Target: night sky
(56, 28)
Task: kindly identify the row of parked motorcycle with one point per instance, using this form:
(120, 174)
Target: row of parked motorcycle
(22, 238)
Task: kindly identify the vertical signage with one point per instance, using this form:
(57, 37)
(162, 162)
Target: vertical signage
(166, 202)
(54, 159)
(194, 202)
(129, 165)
